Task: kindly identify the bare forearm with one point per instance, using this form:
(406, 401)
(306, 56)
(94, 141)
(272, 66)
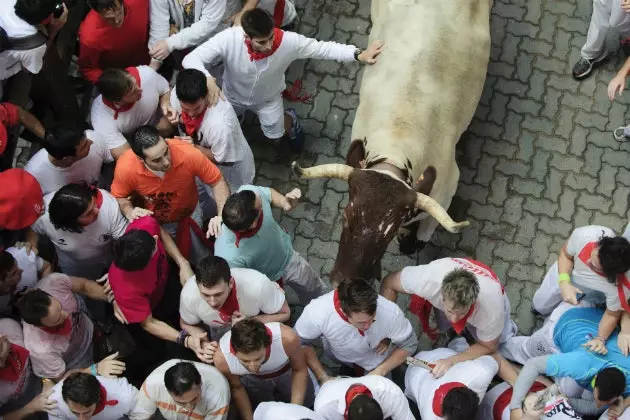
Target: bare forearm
(125, 206)
(243, 405)
(32, 238)
(299, 380)
(171, 248)
(397, 358)
(165, 100)
(625, 69)
(221, 192)
(160, 329)
(191, 329)
(625, 322)
(565, 263)
(608, 323)
(207, 153)
(93, 290)
(277, 199)
(250, 5)
(31, 123)
(22, 413)
(314, 364)
(388, 290)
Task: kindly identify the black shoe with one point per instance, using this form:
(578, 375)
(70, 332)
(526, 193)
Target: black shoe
(584, 67)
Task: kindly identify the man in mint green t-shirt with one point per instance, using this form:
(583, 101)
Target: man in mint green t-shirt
(251, 238)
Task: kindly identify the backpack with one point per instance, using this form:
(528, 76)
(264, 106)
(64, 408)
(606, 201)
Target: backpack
(21, 44)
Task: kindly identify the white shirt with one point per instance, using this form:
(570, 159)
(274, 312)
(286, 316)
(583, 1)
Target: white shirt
(145, 111)
(255, 293)
(12, 61)
(12, 390)
(118, 389)
(425, 281)
(321, 318)
(272, 410)
(213, 404)
(330, 402)
(421, 387)
(30, 265)
(86, 254)
(221, 132)
(247, 83)
(51, 177)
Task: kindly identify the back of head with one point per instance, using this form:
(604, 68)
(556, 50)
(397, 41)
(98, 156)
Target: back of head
(239, 211)
(33, 306)
(81, 388)
(100, 6)
(181, 377)
(357, 296)
(212, 270)
(257, 23)
(114, 84)
(35, 12)
(614, 256)
(363, 407)
(460, 404)
(191, 86)
(143, 138)
(610, 384)
(70, 202)
(133, 250)
(460, 287)
(249, 335)
(6, 264)
(61, 141)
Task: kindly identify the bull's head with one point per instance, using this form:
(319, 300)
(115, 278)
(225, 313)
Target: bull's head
(379, 202)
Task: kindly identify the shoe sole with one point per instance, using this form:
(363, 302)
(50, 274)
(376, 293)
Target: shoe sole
(596, 64)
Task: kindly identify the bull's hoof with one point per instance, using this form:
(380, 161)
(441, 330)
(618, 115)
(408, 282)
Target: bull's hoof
(408, 245)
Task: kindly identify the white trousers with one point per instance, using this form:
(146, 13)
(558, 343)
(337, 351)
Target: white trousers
(607, 14)
(304, 281)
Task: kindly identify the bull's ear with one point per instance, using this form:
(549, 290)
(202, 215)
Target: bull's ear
(356, 154)
(425, 184)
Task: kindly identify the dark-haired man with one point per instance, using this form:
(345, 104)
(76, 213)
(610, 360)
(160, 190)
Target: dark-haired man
(263, 362)
(357, 325)
(20, 269)
(83, 396)
(178, 389)
(70, 155)
(370, 397)
(256, 57)
(218, 297)
(251, 238)
(129, 99)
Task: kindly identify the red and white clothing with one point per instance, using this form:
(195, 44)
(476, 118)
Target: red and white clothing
(55, 352)
(213, 404)
(488, 319)
(86, 254)
(597, 288)
(51, 177)
(273, 410)
(253, 293)
(118, 400)
(330, 402)
(323, 317)
(30, 265)
(16, 377)
(429, 392)
(218, 129)
(115, 125)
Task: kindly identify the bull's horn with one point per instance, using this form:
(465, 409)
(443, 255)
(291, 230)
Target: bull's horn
(434, 208)
(328, 170)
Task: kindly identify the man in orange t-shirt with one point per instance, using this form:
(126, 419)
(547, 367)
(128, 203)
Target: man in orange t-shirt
(163, 174)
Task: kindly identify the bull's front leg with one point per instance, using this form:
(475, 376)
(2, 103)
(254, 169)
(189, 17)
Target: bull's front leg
(407, 241)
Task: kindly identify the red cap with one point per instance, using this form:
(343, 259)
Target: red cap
(21, 199)
(3, 138)
(10, 115)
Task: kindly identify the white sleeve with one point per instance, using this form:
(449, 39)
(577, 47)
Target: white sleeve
(186, 304)
(400, 327)
(159, 18)
(271, 297)
(493, 319)
(221, 133)
(162, 83)
(208, 53)
(485, 369)
(32, 60)
(211, 15)
(175, 101)
(305, 327)
(118, 223)
(421, 280)
(145, 407)
(322, 50)
(583, 235)
(39, 226)
(101, 147)
(104, 125)
(394, 403)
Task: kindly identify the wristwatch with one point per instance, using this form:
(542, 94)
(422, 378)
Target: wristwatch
(357, 53)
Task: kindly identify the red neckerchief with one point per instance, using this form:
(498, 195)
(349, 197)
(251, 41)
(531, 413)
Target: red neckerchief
(343, 316)
(440, 394)
(585, 256)
(98, 198)
(229, 306)
(47, 20)
(255, 55)
(267, 350)
(193, 124)
(62, 329)
(118, 109)
(15, 364)
(103, 401)
(504, 400)
(278, 13)
(249, 232)
(353, 392)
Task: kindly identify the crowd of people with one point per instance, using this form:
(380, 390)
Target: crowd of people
(142, 274)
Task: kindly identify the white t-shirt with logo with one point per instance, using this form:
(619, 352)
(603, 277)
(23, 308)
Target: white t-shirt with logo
(421, 386)
(51, 177)
(425, 281)
(30, 265)
(86, 254)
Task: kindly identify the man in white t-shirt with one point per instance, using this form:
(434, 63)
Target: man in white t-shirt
(129, 99)
(454, 396)
(593, 265)
(85, 396)
(366, 398)
(218, 297)
(20, 269)
(70, 155)
(274, 410)
(466, 295)
(256, 57)
(183, 390)
(359, 327)
(81, 221)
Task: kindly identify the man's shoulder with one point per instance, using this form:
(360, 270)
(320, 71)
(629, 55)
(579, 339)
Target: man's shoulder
(91, 29)
(37, 162)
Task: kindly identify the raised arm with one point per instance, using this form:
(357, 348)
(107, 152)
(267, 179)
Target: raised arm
(299, 375)
(391, 286)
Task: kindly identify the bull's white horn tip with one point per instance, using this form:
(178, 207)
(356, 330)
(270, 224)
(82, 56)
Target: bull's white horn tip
(296, 168)
(458, 227)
